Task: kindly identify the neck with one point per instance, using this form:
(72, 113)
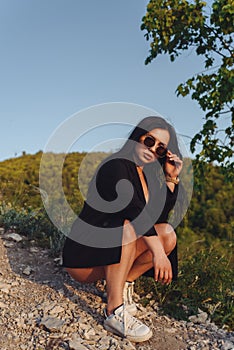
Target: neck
(138, 163)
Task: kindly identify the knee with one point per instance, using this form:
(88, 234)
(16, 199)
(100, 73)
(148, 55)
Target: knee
(129, 235)
(75, 275)
(172, 240)
(167, 236)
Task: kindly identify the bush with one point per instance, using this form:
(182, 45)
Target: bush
(205, 281)
(33, 224)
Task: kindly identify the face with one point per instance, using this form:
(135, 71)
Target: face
(143, 154)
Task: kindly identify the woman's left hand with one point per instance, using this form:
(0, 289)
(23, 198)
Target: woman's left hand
(173, 165)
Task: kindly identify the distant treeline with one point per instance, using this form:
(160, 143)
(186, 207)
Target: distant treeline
(210, 211)
(205, 235)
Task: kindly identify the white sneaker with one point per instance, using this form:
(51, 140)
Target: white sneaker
(127, 298)
(127, 326)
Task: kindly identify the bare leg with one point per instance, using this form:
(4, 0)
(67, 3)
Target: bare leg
(135, 260)
(143, 261)
(116, 275)
(87, 275)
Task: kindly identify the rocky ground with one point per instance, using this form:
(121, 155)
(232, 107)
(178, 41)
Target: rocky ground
(41, 308)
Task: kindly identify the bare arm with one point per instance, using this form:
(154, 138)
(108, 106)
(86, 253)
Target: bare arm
(161, 263)
(173, 167)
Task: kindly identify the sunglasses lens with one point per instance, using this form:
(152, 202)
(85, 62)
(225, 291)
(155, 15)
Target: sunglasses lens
(161, 151)
(149, 141)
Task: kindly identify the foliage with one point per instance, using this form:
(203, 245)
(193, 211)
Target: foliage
(174, 26)
(34, 224)
(211, 207)
(205, 234)
(19, 178)
(210, 210)
(21, 205)
(209, 287)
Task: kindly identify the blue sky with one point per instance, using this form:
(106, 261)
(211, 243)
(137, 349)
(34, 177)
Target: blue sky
(59, 57)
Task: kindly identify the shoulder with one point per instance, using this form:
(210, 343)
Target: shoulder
(115, 165)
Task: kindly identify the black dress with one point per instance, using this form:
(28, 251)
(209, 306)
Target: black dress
(115, 194)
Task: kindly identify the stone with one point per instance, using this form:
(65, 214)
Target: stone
(88, 333)
(9, 244)
(127, 345)
(56, 310)
(51, 324)
(227, 346)
(33, 250)
(5, 287)
(3, 305)
(14, 237)
(76, 345)
(58, 261)
(200, 318)
(30, 308)
(27, 271)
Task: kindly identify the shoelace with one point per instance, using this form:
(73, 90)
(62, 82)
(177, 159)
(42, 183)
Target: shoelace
(132, 322)
(129, 321)
(128, 293)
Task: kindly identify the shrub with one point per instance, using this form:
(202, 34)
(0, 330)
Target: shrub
(205, 281)
(33, 224)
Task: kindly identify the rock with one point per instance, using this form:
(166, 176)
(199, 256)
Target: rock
(127, 345)
(33, 250)
(3, 305)
(51, 324)
(9, 244)
(200, 318)
(227, 346)
(88, 333)
(4, 287)
(29, 313)
(58, 261)
(14, 237)
(2, 230)
(27, 271)
(105, 341)
(103, 347)
(76, 345)
(56, 310)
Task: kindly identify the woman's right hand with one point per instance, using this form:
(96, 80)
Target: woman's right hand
(162, 268)
(161, 263)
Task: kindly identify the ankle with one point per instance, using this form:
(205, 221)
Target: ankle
(111, 310)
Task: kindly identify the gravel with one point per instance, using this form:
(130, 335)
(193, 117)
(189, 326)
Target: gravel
(42, 308)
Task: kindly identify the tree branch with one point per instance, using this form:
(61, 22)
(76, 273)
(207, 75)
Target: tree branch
(221, 40)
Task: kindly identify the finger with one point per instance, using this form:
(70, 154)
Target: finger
(169, 276)
(176, 161)
(166, 276)
(175, 158)
(156, 272)
(161, 275)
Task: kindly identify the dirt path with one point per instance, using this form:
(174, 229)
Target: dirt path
(41, 308)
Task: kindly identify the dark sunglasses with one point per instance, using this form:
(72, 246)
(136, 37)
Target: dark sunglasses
(149, 141)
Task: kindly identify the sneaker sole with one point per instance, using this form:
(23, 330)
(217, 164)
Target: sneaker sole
(129, 337)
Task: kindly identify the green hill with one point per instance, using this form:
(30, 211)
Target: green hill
(205, 235)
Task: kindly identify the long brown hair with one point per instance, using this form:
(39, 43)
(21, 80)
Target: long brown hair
(145, 125)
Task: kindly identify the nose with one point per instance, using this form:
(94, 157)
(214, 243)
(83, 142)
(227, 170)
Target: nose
(154, 147)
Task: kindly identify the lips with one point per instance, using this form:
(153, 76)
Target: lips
(148, 156)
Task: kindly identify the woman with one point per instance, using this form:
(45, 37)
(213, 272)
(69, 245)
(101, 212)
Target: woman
(122, 230)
